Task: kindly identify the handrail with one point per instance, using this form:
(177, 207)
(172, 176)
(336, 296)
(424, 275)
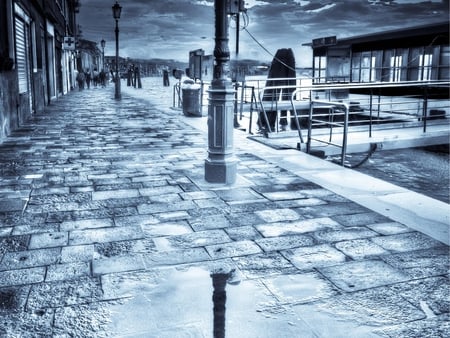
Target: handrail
(404, 110)
(370, 85)
(277, 102)
(368, 106)
(311, 120)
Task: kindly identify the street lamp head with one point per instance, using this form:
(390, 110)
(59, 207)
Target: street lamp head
(117, 9)
(103, 43)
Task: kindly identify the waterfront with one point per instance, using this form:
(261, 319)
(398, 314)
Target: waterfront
(422, 170)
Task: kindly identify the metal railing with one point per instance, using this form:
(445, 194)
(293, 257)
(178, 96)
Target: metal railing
(316, 119)
(362, 106)
(339, 107)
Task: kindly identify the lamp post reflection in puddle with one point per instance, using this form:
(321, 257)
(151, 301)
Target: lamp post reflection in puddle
(219, 281)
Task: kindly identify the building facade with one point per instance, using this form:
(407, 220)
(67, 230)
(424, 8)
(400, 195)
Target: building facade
(38, 57)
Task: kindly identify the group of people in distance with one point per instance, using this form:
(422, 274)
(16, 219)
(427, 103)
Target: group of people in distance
(134, 77)
(86, 77)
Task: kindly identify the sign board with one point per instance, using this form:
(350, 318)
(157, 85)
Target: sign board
(326, 41)
(69, 43)
(195, 64)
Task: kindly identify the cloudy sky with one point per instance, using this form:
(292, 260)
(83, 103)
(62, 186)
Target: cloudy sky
(171, 28)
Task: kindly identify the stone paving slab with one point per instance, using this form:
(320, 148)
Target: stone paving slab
(21, 277)
(360, 275)
(358, 249)
(30, 258)
(300, 288)
(108, 222)
(277, 229)
(7, 204)
(421, 263)
(314, 256)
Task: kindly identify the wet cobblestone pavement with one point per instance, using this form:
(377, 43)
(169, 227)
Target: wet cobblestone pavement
(107, 229)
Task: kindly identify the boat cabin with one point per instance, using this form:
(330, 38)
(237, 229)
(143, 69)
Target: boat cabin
(420, 53)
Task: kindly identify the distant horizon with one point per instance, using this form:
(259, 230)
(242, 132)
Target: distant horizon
(187, 62)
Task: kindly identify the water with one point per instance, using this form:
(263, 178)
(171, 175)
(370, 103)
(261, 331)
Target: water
(159, 303)
(423, 170)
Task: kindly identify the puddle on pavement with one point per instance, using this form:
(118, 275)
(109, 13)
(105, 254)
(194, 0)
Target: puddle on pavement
(200, 302)
(195, 302)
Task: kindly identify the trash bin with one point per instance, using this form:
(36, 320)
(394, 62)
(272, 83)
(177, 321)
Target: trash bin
(191, 99)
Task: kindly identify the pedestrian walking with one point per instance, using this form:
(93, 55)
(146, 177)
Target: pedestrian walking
(88, 78)
(80, 80)
(130, 76)
(102, 78)
(95, 77)
(166, 78)
(137, 78)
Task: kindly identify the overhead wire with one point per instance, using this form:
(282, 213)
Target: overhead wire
(244, 28)
(373, 146)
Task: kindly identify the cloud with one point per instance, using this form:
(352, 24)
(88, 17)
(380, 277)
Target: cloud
(171, 28)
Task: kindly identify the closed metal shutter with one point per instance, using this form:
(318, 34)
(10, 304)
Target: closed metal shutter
(22, 62)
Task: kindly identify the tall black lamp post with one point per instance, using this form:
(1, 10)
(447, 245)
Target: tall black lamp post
(221, 164)
(103, 43)
(117, 9)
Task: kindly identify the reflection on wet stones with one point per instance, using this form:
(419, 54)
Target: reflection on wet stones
(13, 168)
(8, 300)
(265, 264)
(88, 320)
(219, 297)
(13, 243)
(83, 290)
(111, 249)
(63, 198)
(27, 324)
(435, 327)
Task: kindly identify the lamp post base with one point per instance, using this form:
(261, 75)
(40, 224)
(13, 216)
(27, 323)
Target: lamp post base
(221, 171)
(117, 93)
(221, 164)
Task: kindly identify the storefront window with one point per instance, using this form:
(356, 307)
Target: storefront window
(395, 68)
(320, 69)
(425, 65)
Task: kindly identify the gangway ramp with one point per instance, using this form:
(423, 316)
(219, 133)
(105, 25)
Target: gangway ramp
(386, 137)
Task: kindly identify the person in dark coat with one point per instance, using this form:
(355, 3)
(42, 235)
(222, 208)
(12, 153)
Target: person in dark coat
(130, 76)
(137, 77)
(88, 78)
(166, 78)
(80, 79)
(283, 66)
